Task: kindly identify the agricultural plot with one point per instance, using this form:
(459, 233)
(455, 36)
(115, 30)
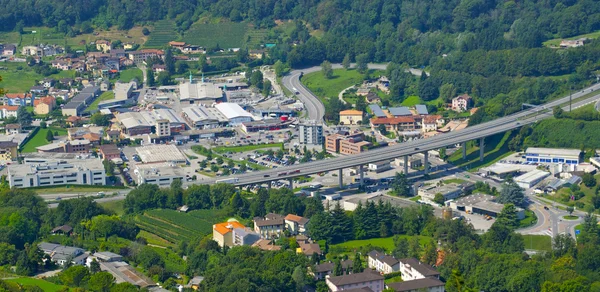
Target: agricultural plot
(255, 38)
(226, 35)
(173, 226)
(162, 34)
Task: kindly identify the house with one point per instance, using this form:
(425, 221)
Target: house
(326, 269)
(395, 124)
(256, 54)
(107, 256)
(368, 279)
(308, 248)
(420, 285)
(351, 117)
(462, 103)
(113, 135)
(63, 229)
(44, 105)
(18, 99)
(109, 151)
(195, 282)
(296, 224)
(103, 45)
(413, 269)
(383, 263)
(77, 146)
(74, 121)
(271, 226)
(8, 150)
(233, 233)
(372, 97)
(9, 50)
(266, 244)
(183, 209)
(177, 45)
(12, 129)
(47, 82)
(8, 111)
(61, 254)
(157, 68)
(572, 43)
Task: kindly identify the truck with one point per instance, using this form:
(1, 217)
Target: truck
(228, 180)
(295, 90)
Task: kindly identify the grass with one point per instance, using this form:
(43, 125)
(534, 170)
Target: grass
(40, 139)
(330, 88)
(538, 242)
(564, 194)
(570, 217)
(386, 243)
(412, 101)
(154, 239)
(246, 148)
(415, 198)
(454, 181)
(490, 156)
(128, 74)
(529, 219)
(578, 227)
(394, 279)
(18, 77)
(114, 206)
(44, 285)
(71, 189)
(226, 35)
(556, 42)
(107, 95)
(162, 33)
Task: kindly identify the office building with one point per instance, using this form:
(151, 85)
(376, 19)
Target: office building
(57, 172)
(553, 155)
(311, 133)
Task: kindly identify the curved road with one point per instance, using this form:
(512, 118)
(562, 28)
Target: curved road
(313, 105)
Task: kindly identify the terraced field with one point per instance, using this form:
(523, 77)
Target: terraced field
(226, 35)
(255, 37)
(162, 34)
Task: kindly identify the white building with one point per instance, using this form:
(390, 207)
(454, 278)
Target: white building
(413, 269)
(8, 111)
(296, 224)
(380, 166)
(57, 172)
(205, 93)
(553, 155)
(531, 178)
(61, 254)
(383, 263)
(368, 279)
(234, 113)
(482, 204)
(420, 285)
(161, 176)
(201, 117)
(161, 153)
(461, 103)
(311, 133)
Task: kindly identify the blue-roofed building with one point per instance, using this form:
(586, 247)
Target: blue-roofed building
(399, 111)
(421, 109)
(377, 111)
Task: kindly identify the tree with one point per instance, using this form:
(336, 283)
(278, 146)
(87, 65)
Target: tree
(163, 78)
(169, 62)
(299, 277)
(214, 168)
(570, 210)
(327, 70)
(589, 180)
(266, 90)
(508, 217)
(49, 136)
(357, 265)
(337, 268)
(145, 31)
(511, 193)
(74, 276)
(400, 185)
(43, 125)
(401, 249)
(430, 256)
(558, 112)
(24, 117)
(346, 61)
(456, 283)
(256, 79)
(150, 80)
(439, 198)
(109, 167)
(280, 68)
(382, 129)
(94, 266)
(101, 282)
(100, 120)
(447, 92)
(362, 63)
(414, 247)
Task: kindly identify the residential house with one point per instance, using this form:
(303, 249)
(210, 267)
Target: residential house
(195, 282)
(372, 97)
(61, 254)
(395, 124)
(8, 111)
(38, 90)
(383, 263)
(351, 117)
(307, 247)
(103, 45)
(326, 269)
(48, 82)
(109, 151)
(266, 244)
(233, 233)
(113, 135)
(256, 54)
(368, 279)
(77, 146)
(296, 224)
(74, 121)
(462, 103)
(420, 285)
(44, 105)
(177, 45)
(157, 68)
(63, 229)
(271, 226)
(21, 99)
(143, 55)
(9, 50)
(572, 43)
(8, 150)
(12, 129)
(431, 123)
(413, 269)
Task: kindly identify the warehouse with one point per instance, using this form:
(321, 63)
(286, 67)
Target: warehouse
(206, 93)
(134, 123)
(553, 155)
(449, 191)
(234, 113)
(531, 178)
(482, 204)
(201, 117)
(161, 153)
(176, 123)
(161, 176)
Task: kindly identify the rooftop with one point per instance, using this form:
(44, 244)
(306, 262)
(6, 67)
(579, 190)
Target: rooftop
(198, 113)
(227, 227)
(400, 111)
(424, 269)
(296, 218)
(553, 151)
(160, 153)
(365, 276)
(390, 260)
(201, 91)
(421, 109)
(232, 110)
(531, 176)
(377, 111)
(415, 284)
(351, 113)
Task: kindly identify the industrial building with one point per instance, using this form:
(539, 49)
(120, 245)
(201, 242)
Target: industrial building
(82, 100)
(201, 117)
(449, 191)
(531, 178)
(482, 204)
(57, 172)
(134, 123)
(206, 93)
(234, 113)
(553, 155)
(161, 153)
(123, 96)
(311, 133)
(161, 176)
(266, 125)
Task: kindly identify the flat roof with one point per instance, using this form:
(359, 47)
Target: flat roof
(198, 113)
(385, 199)
(232, 110)
(553, 151)
(152, 171)
(133, 120)
(160, 153)
(531, 176)
(162, 113)
(199, 91)
(55, 167)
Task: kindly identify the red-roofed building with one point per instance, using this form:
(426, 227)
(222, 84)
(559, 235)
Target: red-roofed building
(462, 103)
(395, 124)
(44, 105)
(18, 99)
(8, 111)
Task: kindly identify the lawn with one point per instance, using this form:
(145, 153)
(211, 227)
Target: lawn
(162, 33)
(529, 219)
(128, 74)
(225, 35)
(564, 194)
(245, 148)
(330, 88)
(114, 206)
(394, 279)
(412, 101)
(454, 181)
(40, 139)
(107, 95)
(44, 285)
(415, 198)
(154, 239)
(578, 227)
(556, 42)
(386, 243)
(491, 155)
(18, 77)
(570, 217)
(70, 189)
(538, 242)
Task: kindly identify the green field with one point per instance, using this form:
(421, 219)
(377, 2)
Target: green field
(412, 101)
(556, 42)
(538, 242)
(570, 217)
(40, 139)
(529, 219)
(564, 194)
(114, 206)
(255, 37)
(386, 243)
(18, 77)
(72, 189)
(107, 95)
(128, 74)
(162, 33)
(173, 226)
(154, 239)
(491, 155)
(245, 148)
(226, 35)
(44, 285)
(454, 181)
(330, 88)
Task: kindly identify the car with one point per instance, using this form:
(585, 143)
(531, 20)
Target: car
(416, 148)
(546, 208)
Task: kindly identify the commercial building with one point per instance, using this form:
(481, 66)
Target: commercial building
(201, 117)
(123, 96)
(109, 151)
(142, 55)
(161, 153)
(134, 123)
(57, 172)
(79, 102)
(311, 133)
(234, 113)
(351, 117)
(481, 204)
(553, 155)
(265, 125)
(175, 122)
(159, 175)
(531, 178)
(420, 285)
(395, 124)
(448, 191)
(383, 263)
(61, 254)
(368, 279)
(413, 269)
(269, 227)
(205, 93)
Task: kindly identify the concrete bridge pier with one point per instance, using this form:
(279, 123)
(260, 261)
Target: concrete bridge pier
(291, 181)
(426, 161)
(341, 178)
(362, 176)
(481, 148)
(405, 164)
(464, 150)
(269, 185)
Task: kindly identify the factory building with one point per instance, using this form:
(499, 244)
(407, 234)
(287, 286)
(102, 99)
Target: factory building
(553, 155)
(531, 178)
(234, 113)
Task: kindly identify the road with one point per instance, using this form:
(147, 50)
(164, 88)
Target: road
(499, 125)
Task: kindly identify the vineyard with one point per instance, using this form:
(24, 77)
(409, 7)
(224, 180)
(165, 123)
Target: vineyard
(226, 35)
(174, 227)
(162, 34)
(255, 38)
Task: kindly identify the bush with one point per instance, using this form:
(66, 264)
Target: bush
(145, 31)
